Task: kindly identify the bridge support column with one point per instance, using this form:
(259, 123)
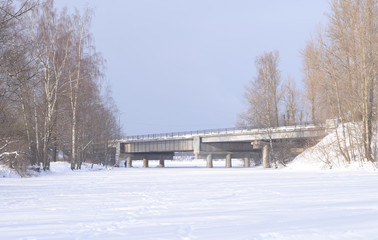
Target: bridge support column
(209, 161)
(246, 162)
(145, 162)
(161, 163)
(196, 146)
(129, 162)
(228, 161)
(265, 156)
(118, 152)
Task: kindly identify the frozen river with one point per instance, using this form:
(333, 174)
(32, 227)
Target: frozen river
(190, 203)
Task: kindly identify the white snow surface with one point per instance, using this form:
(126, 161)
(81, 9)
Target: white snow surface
(326, 154)
(7, 172)
(189, 203)
(185, 200)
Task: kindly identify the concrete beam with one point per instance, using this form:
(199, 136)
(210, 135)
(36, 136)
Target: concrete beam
(226, 147)
(151, 156)
(264, 135)
(159, 146)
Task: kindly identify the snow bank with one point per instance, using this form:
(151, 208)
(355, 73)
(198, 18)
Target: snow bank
(65, 168)
(7, 172)
(56, 168)
(327, 155)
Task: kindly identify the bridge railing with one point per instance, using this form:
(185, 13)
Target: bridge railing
(218, 131)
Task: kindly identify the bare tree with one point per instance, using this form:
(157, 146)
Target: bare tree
(342, 60)
(313, 80)
(83, 72)
(263, 94)
(50, 78)
(50, 39)
(291, 101)
(14, 72)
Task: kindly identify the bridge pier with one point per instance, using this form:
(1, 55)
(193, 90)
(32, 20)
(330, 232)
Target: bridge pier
(145, 162)
(265, 156)
(161, 163)
(228, 161)
(246, 162)
(209, 161)
(117, 152)
(129, 162)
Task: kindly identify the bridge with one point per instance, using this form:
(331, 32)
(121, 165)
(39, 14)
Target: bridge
(246, 144)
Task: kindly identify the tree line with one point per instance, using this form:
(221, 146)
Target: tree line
(340, 81)
(53, 99)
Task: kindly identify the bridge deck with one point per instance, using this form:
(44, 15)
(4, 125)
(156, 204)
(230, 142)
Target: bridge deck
(222, 132)
(226, 140)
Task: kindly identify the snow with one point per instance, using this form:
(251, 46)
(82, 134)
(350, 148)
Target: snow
(189, 203)
(185, 200)
(7, 172)
(326, 154)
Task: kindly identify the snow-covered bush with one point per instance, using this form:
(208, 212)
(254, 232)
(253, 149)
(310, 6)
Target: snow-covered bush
(13, 154)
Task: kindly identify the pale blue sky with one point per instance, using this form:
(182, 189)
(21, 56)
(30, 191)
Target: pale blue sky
(177, 65)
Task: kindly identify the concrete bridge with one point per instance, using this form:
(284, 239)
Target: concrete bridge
(247, 144)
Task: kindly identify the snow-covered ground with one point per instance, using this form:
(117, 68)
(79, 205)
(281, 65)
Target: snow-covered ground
(190, 203)
(185, 200)
(326, 154)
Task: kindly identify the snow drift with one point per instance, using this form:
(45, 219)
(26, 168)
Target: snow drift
(328, 153)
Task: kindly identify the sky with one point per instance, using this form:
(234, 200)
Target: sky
(180, 65)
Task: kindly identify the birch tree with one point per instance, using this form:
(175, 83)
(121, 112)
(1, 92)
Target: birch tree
(50, 76)
(14, 72)
(263, 94)
(84, 72)
(50, 39)
(291, 95)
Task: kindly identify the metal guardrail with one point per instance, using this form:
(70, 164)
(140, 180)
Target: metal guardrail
(219, 131)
